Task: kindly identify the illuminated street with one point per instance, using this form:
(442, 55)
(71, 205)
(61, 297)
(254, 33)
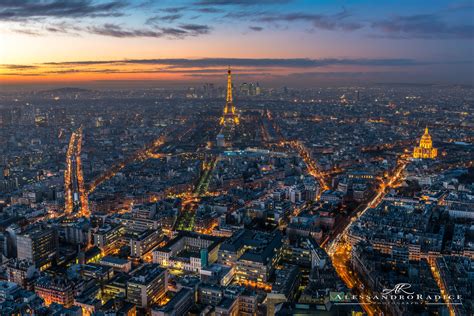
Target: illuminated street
(340, 251)
(311, 165)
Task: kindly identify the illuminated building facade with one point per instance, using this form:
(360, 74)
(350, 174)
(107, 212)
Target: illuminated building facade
(148, 285)
(180, 304)
(38, 245)
(78, 233)
(189, 251)
(55, 290)
(20, 272)
(425, 150)
(118, 264)
(254, 255)
(143, 242)
(108, 237)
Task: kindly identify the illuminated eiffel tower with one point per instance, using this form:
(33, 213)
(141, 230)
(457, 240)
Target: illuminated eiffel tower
(229, 117)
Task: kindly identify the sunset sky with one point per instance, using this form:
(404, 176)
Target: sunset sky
(298, 43)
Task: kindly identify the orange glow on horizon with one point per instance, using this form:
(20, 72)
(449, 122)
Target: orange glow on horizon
(116, 71)
(44, 73)
(84, 77)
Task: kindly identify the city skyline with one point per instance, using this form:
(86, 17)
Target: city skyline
(300, 43)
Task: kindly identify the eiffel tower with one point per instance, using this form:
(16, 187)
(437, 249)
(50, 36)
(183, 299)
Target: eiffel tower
(229, 117)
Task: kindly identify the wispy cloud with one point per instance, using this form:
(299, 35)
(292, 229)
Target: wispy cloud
(40, 29)
(27, 31)
(338, 74)
(115, 30)
(143, 71)
(209, 10)
(64, 27)
(256, 28)
(155, 20)
(427, 26)
(338, 21)
(298, 71)
(173, 9)
(17, 67)
(43, 17)
(253, 62)
(184, 30)
(173, 32)
(21, 10)
(164, 70)
(196, 29)
(239, 2)
(22, 74)
(247, 14)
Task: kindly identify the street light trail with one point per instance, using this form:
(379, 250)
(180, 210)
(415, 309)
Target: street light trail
(83, 195)
(190, 200)
(340, 251)
(74, 171)
(382, 191)
(68, 205)
(311, 165)
(142, 154)
(437, 276)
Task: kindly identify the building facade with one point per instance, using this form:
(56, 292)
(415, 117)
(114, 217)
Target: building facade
(147, 286)
(425, 150)
(38, 245)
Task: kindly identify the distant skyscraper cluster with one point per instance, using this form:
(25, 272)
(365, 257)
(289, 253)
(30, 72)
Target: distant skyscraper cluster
(250, 89)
